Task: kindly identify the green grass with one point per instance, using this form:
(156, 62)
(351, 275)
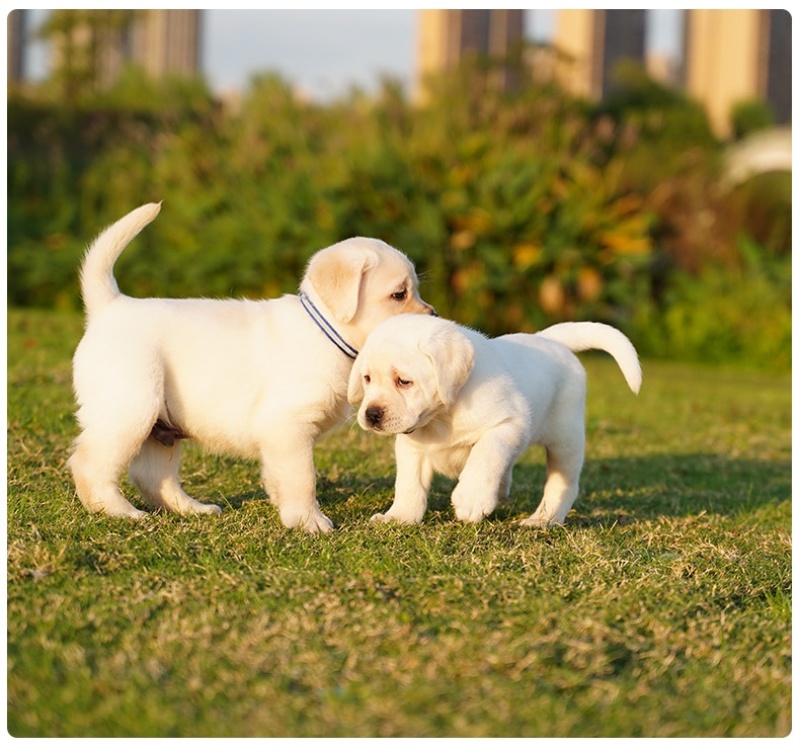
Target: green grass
(663, 608)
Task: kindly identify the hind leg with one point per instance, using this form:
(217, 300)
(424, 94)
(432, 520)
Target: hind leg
(564, 464)
(505, 486)
(96, 465)
(154, 471)
(119, 389)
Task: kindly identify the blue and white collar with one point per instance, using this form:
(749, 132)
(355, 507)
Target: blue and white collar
(326, 327)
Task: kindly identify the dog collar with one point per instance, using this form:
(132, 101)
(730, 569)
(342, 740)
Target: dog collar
(326, 327)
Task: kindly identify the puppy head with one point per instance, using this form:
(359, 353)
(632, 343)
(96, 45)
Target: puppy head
(411, 369)
(363, 281)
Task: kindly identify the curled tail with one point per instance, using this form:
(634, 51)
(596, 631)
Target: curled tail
(588, 335)
(98, 286)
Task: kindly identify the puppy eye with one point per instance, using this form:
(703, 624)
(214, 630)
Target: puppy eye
(403, 383)
(399, 295)
(366, 379)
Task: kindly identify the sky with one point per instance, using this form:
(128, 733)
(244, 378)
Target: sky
(326, 52)
(323, 52)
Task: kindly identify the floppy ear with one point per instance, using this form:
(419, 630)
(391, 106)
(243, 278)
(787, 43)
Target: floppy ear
(355, 387)
(336, 273)
(452, 357)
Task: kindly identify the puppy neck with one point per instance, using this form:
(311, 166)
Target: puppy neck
(321, 316)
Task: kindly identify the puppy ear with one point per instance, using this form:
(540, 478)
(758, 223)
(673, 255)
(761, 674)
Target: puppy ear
(355, 387)
(336, 273)
(452, 356)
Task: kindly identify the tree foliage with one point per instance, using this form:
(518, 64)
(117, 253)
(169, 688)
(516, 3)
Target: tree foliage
(519, 209)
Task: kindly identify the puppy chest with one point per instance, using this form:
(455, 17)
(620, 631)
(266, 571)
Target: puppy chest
(449, 460)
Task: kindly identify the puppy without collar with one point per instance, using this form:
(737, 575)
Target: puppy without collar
(467, 406)
(261, 379)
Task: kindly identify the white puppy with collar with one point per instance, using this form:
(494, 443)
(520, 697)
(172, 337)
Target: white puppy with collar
(467, 406)
(261, 379)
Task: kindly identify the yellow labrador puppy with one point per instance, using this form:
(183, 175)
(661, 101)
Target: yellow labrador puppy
(261, 379)
(467, 406)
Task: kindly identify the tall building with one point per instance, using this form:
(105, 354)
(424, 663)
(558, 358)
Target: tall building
(733, 56)
(167, 42)
(448, 37)
(162, 42)
(729, 56)
(593, 43)
(778, 68)
(15, 38)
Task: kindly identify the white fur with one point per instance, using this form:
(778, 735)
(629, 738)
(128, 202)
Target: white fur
(254, 378)
(467, 406)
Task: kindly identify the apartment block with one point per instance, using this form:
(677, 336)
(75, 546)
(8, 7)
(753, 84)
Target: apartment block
(448, 37)
(733, 56)
(592, 43)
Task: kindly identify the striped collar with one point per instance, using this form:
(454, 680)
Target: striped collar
(326, 328)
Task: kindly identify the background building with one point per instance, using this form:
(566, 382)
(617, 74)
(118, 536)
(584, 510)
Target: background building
(448, 37)
(100, 43)
(15, 44)
(594, 42)
(734, 56)
(730, 56)
(166, 42)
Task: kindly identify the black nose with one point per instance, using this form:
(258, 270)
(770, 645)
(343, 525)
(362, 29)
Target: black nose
(374, 415)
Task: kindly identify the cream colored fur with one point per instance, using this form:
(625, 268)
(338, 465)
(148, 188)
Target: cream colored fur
(252, 378)
(467, 406)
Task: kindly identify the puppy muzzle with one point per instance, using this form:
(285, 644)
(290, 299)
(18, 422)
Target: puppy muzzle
(374, 415)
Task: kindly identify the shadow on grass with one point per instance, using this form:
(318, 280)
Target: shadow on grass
(330, 493)
(613, 491)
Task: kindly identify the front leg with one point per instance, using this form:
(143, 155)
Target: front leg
(290, 481)
(487, 472)
(412, 483)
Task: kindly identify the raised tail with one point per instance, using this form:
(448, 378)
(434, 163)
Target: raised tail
(589, 335)
(98, 286)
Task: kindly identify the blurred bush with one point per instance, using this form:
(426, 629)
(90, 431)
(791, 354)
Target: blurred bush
(519, 209)
(723, 315)
(751, 116)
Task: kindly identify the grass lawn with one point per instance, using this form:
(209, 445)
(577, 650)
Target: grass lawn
(663, 608)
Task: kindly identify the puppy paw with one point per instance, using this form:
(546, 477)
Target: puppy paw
(471, 507)
(317, 523)
(188, 507)
(311, 522)
(538, 520)
(131, 514)
(121, 511)
(387, 517)
(206, 509)
(470, 514)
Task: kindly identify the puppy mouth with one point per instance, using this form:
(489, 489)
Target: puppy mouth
(383, 425)
(389, 431)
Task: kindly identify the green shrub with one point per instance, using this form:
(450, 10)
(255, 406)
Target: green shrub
(751, 116)
(519, 209)
(653, 118)
(724, 316)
